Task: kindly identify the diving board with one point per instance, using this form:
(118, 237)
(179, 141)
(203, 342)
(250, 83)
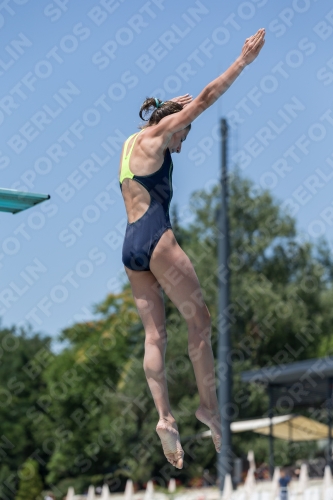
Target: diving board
(15, 201)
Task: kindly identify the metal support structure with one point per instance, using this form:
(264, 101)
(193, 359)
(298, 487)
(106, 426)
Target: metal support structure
(271, 437)
(329, 419)
(225, 458)
(290, 443)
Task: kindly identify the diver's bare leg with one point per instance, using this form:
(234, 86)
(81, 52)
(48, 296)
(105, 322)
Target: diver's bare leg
(149, 301)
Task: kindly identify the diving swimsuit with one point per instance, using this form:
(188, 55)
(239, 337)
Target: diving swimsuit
(142, 236)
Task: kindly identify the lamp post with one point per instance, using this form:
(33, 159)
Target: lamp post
(224, 344)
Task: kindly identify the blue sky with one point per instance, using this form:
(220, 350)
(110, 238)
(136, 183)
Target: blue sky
(73, 78)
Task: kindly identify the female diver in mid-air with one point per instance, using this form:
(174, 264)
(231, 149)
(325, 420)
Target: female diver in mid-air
(153, 259)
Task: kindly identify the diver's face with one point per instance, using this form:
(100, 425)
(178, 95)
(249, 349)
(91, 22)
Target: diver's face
(175, 144)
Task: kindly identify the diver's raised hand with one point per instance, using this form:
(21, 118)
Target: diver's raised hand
(253, 46)
(184, 100)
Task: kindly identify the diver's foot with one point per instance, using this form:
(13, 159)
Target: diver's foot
(169, 436)
(212, 419)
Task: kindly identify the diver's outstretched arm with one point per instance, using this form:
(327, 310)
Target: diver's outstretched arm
(178, 121)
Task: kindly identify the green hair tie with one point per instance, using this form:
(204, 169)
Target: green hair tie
(158, 103)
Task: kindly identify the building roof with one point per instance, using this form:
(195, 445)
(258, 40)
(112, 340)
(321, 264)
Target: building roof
(300, 384)
(321, 368)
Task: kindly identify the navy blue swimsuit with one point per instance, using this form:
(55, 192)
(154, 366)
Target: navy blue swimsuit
(142, 236)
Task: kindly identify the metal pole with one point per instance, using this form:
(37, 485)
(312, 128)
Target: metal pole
(271, 437)
(290, 429)
(329, 416)
(225, 458)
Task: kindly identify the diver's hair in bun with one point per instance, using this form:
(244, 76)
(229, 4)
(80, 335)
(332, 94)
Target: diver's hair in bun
(157, 110)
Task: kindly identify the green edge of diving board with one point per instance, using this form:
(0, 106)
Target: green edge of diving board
(15, 201)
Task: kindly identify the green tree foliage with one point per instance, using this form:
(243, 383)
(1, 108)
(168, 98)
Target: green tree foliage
(94, 419)
(280, 290)
(23, 356)
(280, 285)
(31, 485)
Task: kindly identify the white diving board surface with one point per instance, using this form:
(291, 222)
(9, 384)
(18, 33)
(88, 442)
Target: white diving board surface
(15, 201)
